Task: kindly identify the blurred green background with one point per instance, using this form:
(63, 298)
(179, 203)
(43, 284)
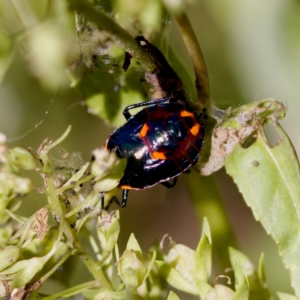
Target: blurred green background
(252, 50)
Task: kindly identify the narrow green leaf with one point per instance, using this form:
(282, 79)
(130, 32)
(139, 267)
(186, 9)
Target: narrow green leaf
(77, 175)
(149, 267)
(261, 270)
(203, 258)
(133, 244)
(257, 285)
(241, 282)
(206, 229)
(60, 139)
(269, 180)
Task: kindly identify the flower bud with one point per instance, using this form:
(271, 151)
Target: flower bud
(21, 158)
(13, 184)
(103, 161)
(8, 256)
(108, 170)
(131, 269)
(108, 229)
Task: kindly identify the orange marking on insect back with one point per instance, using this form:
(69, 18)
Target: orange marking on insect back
(195, 129)
(144, 130)
(126, 187)
(158, 155)
(186, 113)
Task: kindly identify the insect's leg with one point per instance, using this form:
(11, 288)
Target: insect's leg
(124, 198)
(168, 184)
(127, 114)
(102, 202)
(115, 199)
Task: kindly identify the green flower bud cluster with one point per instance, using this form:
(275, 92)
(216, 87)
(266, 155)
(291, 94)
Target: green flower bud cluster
(34, 250)
(12, 185)
(108, 229)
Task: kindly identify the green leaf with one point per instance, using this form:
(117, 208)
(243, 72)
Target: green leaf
(235, 126)
(172, 296)
(99, 294)
(8, 256)
(257, 285)
(269, 180)
(220, 292)
(182, 258)
(242, 259)
(175, 279)
(23, 271)
(116, 91)
(133, 244)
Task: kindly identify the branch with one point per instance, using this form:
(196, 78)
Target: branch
(194, 50)
(117, 33)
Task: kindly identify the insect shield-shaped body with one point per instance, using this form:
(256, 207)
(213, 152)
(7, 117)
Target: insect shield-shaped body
(160, 142)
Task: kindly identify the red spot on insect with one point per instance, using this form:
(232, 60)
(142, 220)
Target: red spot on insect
(144, 130)
(158, 155)
(195, 129)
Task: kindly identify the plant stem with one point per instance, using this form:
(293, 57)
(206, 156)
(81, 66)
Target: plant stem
(67, 230)
(74, 290)
(116, 32)
(194, 49)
